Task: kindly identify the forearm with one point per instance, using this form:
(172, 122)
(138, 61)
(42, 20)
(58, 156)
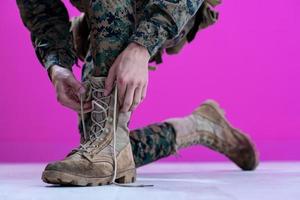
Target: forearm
(48, 23)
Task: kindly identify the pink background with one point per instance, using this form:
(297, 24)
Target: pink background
(248, 61)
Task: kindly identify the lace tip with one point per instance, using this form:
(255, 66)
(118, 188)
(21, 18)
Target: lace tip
(132, 185)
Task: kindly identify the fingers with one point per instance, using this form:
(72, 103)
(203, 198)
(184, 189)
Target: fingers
(128, 98)
(137, 98)
(68, 89)
(74, 105)
(144, 91)
(121, 87)
(87, 107)
(66, 98)
(130, 94)
(75, 85)
(109, 82)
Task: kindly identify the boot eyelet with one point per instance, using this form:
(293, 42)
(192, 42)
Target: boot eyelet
(110, 119)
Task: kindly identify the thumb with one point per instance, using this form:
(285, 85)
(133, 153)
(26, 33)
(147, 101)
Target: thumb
(76, 85)
(110, 81)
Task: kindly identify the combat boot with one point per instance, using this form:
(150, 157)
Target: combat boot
(105, 157)
(208, 126)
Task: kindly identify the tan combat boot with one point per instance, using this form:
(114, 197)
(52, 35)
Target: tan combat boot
(106, 156)
(208, 126)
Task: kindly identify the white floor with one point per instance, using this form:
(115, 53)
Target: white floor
(207, 181)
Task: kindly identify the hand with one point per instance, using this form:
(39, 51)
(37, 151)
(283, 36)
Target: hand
(130, 71)
(68, 89)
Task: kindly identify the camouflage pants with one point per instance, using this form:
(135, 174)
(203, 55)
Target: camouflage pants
(111, 24)
(156, 24)
(149, 143)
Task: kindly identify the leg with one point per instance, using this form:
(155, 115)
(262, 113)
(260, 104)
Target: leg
(206, 126)
(109, 35)
(152, 143)
(105, 155)
(111, 23)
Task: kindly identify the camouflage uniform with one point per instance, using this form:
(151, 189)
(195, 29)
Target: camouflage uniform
(111, 25)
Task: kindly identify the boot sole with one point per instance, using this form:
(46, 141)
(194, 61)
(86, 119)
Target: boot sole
(252, 150)
(62, 178)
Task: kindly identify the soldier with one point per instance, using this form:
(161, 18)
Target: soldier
(117, 39)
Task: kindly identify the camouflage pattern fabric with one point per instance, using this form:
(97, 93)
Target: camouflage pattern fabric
(48, 23)
(155, 24)
(112, 25)
(204, 17)
(152, 143)
(148, 144)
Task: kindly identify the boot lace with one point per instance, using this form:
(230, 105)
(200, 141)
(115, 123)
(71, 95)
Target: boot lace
(99, 107)
(103, 106)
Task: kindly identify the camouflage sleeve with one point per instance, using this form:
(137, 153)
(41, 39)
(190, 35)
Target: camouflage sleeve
(48, 23)
(164, 19)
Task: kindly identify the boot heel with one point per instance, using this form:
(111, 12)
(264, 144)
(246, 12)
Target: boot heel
(127, 177)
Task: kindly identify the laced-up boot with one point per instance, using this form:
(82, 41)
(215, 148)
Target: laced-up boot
(208, 126)
(105, 157)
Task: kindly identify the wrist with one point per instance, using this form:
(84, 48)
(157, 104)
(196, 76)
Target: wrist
(140, 49)
(55, 70)
(51, 71)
